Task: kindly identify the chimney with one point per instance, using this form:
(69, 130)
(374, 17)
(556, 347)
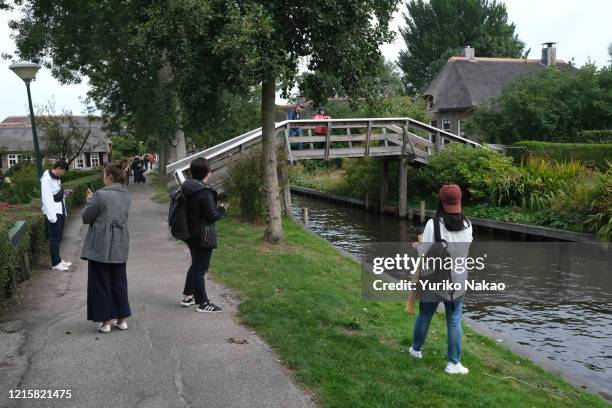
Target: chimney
(468, 53)
(549, 54)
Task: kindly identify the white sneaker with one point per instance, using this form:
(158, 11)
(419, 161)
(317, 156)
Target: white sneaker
(66, 263)
(456, 368)
(121, 326)
(104, 328)
(59, 267)
(414, 353)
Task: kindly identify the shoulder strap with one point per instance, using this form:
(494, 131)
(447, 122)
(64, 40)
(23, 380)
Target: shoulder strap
(437, 234)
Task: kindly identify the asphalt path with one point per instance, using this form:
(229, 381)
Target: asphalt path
(169, 357)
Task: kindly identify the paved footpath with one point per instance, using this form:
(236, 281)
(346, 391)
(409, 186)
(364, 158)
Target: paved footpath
(170, 356)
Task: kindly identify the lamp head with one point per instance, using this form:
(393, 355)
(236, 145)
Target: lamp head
(25, 70)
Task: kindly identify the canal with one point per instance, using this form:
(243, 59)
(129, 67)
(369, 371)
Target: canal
(573, 335)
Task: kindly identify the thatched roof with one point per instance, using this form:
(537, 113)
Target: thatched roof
(464, 82)
(16, 134)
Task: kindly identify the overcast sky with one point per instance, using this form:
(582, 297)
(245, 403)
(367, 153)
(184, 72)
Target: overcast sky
(581, 29)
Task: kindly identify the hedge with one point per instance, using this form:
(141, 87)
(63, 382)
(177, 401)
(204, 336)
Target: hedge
(594, 136)
(34, 243)
(590, 154)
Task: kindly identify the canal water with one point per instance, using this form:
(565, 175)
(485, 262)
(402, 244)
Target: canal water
(576, 336)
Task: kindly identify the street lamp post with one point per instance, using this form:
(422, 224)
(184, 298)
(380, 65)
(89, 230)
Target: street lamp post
(27, 71)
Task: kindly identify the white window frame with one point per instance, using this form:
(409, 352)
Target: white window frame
(444, 121)
(79, 162)
(460, 127)
(94, 159)
(12, 159)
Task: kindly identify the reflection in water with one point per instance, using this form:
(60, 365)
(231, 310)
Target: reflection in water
(577, 334)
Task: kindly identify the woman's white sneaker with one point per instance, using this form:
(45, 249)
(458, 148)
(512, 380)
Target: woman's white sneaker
(59, 267)
(104, 328)
(121, 326)
(414, 353)
(458, 368)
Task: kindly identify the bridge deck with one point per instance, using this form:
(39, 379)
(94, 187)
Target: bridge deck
(333, 138)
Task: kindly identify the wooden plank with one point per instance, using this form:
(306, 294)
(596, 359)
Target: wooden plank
(328, 141)
(348, 133)
(308, 139)
(368, 138)
(288, 145)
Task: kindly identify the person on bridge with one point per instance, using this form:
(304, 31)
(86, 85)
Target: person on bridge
(321, 115)
(53, 199)
(202, 214)
(295, 114)
(455, 231)
(106, 249)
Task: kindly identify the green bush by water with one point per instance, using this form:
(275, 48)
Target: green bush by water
(244, 183)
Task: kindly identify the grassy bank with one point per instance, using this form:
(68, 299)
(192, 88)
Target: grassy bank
(304, 299)
(161, 188)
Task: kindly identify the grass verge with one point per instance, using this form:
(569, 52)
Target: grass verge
(304, 299)
(161, 188)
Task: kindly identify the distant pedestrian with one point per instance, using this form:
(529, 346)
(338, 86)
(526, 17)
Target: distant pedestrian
(138, 170)
(125, 165)
(53, 199)
(202, 213)
(295, 114)
(321, 115)
(145, 161)
(106, 249)
(450, 227)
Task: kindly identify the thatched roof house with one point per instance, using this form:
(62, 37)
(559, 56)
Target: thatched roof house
(469, 81)
(16, 142)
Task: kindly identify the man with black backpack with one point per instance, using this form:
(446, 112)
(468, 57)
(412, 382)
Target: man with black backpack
(192, 216)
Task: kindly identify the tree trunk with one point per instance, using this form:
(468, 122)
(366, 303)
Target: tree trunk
(177, 149)
(274, 226)
(163, 160)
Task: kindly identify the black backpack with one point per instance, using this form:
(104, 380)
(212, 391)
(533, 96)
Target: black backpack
(439, 250)
(177, 216)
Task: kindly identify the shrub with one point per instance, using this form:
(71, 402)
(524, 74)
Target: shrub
(20, 185)
(594, 155)
(594, 136)
(25, 186)
(588, 201)
(481, 173)
(244, 183)
(34, 244)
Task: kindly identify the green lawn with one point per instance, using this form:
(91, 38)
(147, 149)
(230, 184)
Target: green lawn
(304, 299)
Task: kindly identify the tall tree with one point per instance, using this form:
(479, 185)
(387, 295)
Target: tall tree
(164, 63)
(64, 135)
(145, 60)
(263, 41)
(438, 29)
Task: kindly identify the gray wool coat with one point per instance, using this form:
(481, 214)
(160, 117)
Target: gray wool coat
(108, 237)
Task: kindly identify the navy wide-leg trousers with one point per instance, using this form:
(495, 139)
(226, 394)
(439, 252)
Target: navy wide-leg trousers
(107, 292)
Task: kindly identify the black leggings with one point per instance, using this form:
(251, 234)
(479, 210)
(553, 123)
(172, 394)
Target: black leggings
(194, 283)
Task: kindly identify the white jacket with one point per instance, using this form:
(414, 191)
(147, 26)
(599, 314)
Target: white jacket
(50, 186)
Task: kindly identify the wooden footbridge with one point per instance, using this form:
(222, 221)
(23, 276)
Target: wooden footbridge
(411, 141)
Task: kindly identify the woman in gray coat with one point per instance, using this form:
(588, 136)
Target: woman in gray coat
(106, 249)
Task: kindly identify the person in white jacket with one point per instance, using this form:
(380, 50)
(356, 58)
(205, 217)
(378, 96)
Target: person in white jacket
(54, 207)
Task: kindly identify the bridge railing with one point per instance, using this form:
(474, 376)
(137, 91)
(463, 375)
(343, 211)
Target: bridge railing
(360, 137)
